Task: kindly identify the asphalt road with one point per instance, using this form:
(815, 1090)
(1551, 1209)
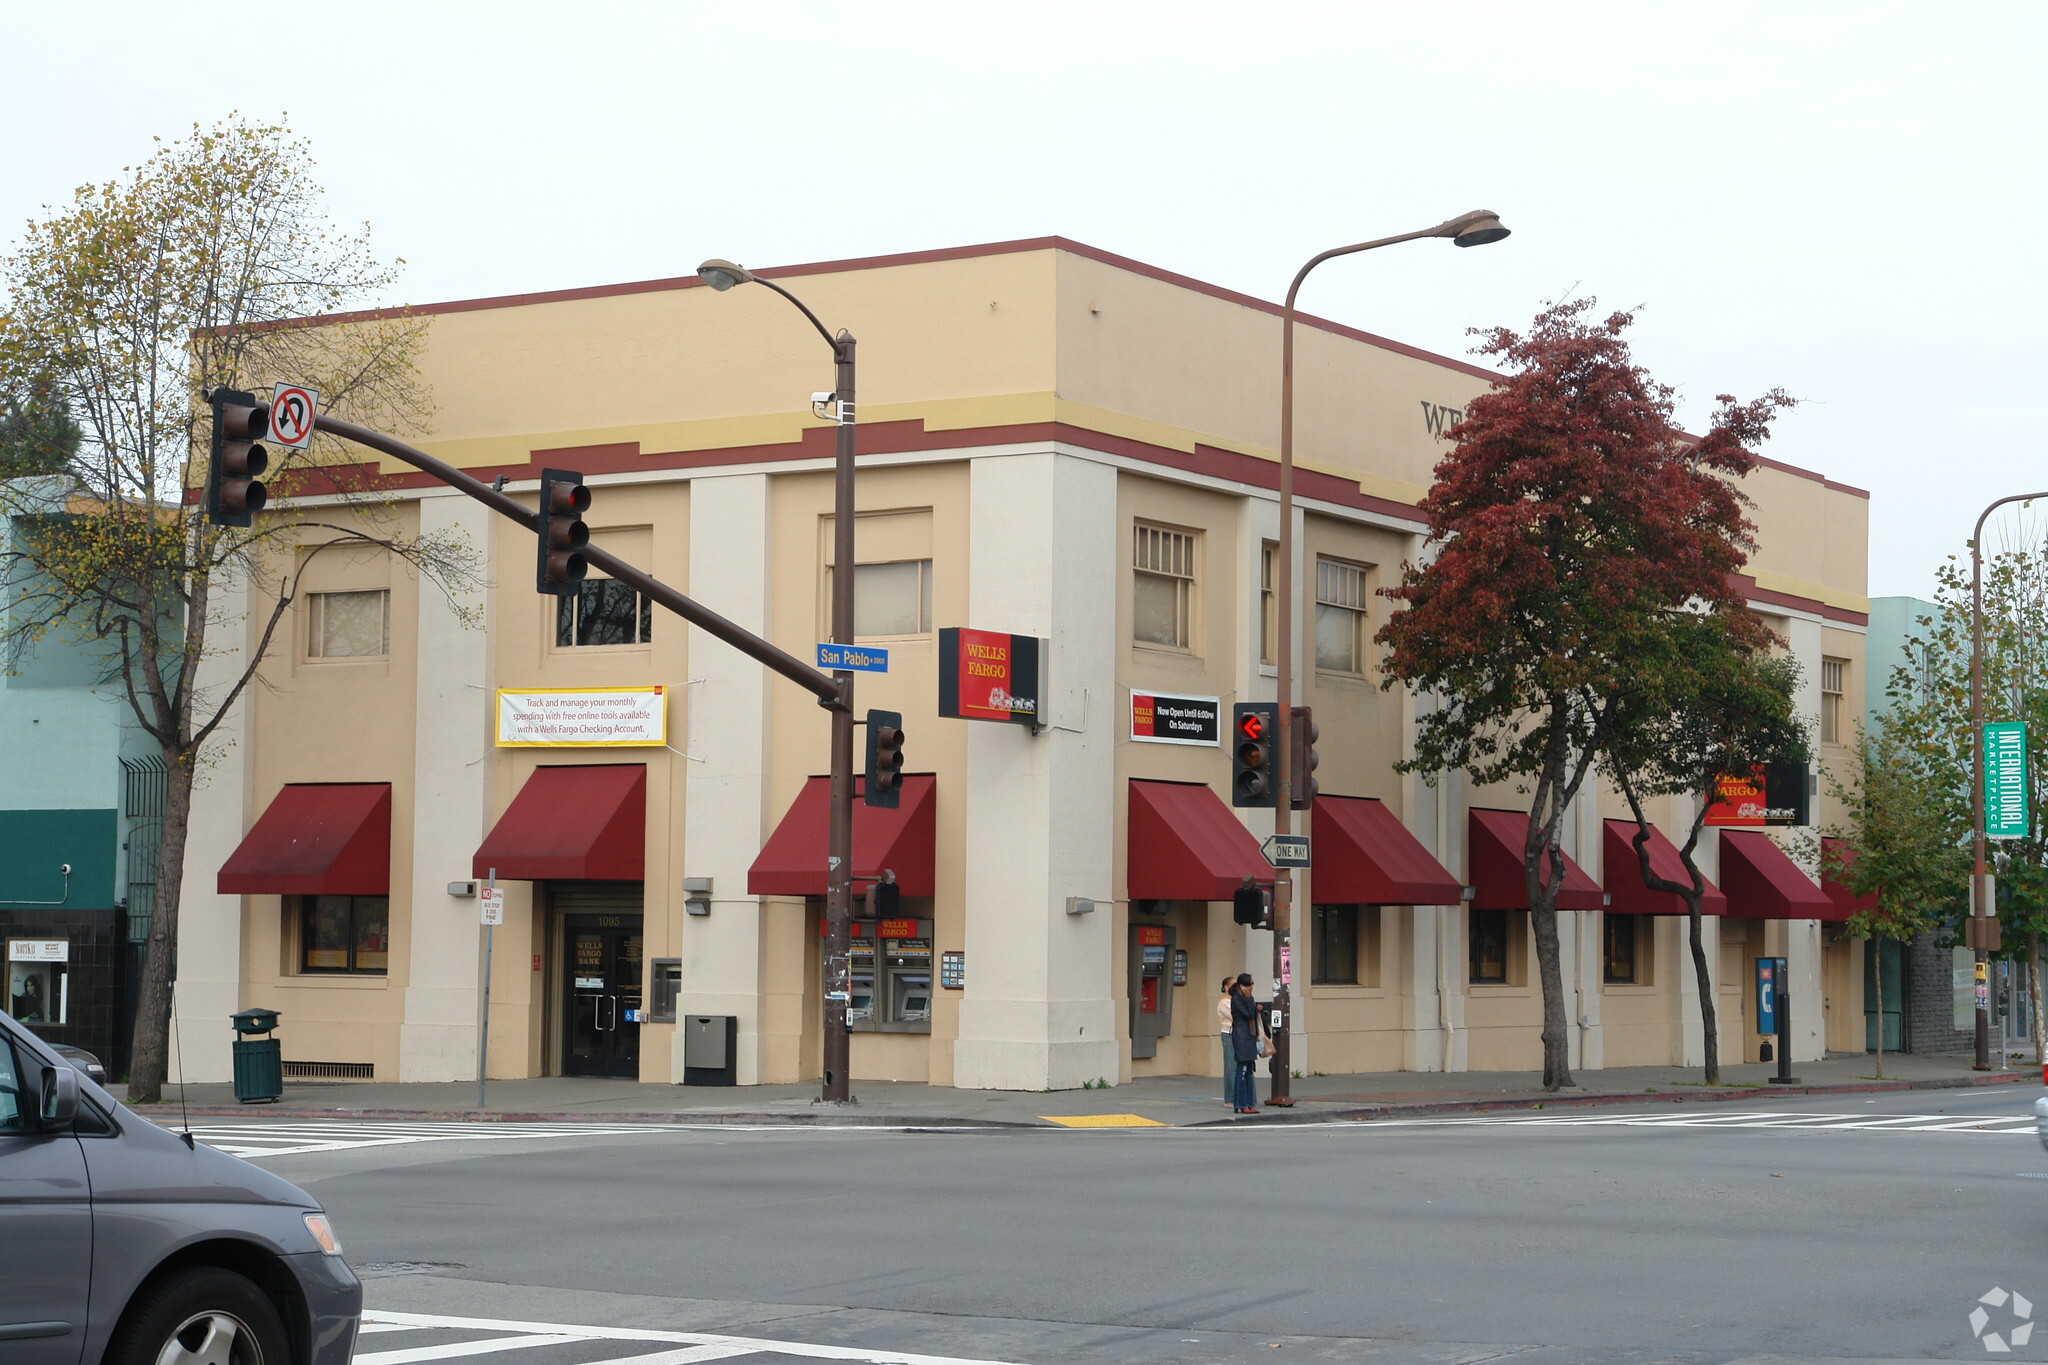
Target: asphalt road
(1843, 1228)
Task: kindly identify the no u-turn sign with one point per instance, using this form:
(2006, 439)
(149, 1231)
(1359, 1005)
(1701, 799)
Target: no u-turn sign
(292, 409)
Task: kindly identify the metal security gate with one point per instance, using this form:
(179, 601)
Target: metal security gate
(602, 959)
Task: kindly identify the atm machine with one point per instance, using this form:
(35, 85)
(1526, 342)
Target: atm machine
(1151, 965)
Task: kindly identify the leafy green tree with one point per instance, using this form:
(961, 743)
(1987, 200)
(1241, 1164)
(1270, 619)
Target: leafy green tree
(37, 432)
(1928, 730)
(1568, 523)
(201, 267)
(1899, 845)
(1708, 702)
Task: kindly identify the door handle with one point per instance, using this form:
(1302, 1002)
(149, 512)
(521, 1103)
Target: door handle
(614, 1025)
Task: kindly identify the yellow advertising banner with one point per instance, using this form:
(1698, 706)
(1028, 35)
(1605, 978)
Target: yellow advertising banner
(582, 717)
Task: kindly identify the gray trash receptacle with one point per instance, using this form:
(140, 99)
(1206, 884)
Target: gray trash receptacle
(710, 1045)
(259, 1058)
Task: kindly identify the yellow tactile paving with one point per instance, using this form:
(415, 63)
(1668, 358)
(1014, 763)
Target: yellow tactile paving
(1102, 1120)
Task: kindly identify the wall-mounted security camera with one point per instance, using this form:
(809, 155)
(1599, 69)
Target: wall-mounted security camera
(65, 868)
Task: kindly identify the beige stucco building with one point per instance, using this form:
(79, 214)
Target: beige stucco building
(1055, 442)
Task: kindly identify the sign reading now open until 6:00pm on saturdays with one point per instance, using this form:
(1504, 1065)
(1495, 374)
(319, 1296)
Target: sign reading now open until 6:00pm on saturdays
(582, 717)
(2005, 779)
(1167, 718)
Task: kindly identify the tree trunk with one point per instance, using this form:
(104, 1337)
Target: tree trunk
(1877, 977)
(2034, 989)
(1557, 1070)
(1710, 1028)
(148, 1067)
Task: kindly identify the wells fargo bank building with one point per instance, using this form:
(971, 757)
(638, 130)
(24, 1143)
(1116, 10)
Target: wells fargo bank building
(1056, 444)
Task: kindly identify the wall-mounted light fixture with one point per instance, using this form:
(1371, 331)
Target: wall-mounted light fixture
(1468, 893)
(697, 895)
(462, 890)
(1080, 905)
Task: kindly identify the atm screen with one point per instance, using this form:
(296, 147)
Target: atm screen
(913, 997)
(861, 1001)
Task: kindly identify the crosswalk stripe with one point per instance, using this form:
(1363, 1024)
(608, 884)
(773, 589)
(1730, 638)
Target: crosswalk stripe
(490, 1346)
(686, 1347)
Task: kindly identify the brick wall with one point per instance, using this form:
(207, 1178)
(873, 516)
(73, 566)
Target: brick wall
(1930, 1025)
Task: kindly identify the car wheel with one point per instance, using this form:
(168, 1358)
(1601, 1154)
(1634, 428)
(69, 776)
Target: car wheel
(202, 1316)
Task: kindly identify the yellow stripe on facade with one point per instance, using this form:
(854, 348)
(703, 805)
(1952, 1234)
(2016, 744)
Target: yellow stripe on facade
(1799, 587)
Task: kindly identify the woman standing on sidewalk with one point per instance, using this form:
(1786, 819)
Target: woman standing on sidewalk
(1226, 992)
(1244, 1041)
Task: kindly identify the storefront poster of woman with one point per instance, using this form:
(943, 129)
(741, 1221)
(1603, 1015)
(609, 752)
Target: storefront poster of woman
(33, 996)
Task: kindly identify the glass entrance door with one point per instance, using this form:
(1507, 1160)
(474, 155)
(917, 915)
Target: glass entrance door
(602, 977)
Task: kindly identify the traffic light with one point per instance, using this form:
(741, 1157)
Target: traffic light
(1301, 758)
(885, 759)
(1251, 754)
(563, 501)
(234, 493)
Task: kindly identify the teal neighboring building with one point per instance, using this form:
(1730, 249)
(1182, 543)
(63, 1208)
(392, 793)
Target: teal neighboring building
(1921, 978)
(81, 804)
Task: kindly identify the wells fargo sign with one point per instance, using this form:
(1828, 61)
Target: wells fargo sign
(988, 675)
(1769, 794)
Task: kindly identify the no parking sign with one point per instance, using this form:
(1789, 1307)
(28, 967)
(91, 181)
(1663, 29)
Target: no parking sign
(292, 409)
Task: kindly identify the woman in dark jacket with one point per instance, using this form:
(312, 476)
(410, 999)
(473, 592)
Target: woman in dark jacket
(1245, 1026)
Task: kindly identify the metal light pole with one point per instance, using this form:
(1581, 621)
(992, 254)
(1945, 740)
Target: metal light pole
(1983, 912)
(723, 275)
(1476, 228)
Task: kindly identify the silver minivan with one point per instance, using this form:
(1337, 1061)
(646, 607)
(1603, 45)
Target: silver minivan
(124, 1244)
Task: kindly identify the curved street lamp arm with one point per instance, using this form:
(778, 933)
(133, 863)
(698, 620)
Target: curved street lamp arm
(803, 308)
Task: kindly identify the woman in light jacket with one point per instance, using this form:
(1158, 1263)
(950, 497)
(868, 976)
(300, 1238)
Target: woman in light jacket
(1227, 990)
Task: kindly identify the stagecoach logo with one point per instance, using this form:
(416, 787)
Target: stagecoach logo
(999, 700)
(2019, 1330)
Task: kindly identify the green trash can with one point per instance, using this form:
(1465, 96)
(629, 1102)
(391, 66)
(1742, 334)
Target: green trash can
(259, 1059)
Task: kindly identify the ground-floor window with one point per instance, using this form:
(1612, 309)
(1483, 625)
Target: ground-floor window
(39, 980)
(1489, 947)
(1625, 949)
(1344, 945)
(344, 934)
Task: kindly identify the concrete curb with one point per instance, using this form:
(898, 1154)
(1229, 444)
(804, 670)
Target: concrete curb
(168, 1113)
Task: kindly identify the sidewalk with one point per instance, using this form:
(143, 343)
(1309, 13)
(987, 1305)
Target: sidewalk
(1176, 1101)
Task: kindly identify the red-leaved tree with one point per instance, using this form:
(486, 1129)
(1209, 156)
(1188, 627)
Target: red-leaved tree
(1569, 523)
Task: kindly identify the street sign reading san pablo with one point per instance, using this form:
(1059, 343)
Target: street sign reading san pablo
(292, 410)
(2005, 779)
(582, 717)
(854, 658)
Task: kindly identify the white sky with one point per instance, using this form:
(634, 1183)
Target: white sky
(1838, 199)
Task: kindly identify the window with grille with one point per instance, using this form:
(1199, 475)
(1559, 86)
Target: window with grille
(1834, 675)
(1488, 947)
(1269, 560)
(1341, 614)
(1163, 586)
(602, 612)
(1622, 941)
(348, 625)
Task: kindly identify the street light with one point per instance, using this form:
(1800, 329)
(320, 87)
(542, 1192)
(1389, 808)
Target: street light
(1983, 931)
(721, 276)
(1476, 228)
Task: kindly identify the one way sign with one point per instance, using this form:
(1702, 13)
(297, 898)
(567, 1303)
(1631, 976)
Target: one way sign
(1286, 850)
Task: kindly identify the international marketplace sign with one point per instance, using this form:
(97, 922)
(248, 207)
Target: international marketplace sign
(2005, 779)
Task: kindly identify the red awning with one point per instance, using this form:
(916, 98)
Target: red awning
(583, 824)
(904, 840)
(1366, 856)
(1762, 883)
(1181, 843)
(1846, 901)
(1625, 874)
(1494, 855)
(316, 839)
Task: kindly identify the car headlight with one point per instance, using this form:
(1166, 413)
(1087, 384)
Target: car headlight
(316, 1223)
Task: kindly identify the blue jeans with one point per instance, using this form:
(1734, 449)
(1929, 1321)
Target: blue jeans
(1229, 1071)
(1247, 1096)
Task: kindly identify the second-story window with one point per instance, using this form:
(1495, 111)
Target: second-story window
(1341, 615)
(890, 600)
(1162, 586)
(348, 625)
(1269, 565)
(1834, 675)
(602, 612)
